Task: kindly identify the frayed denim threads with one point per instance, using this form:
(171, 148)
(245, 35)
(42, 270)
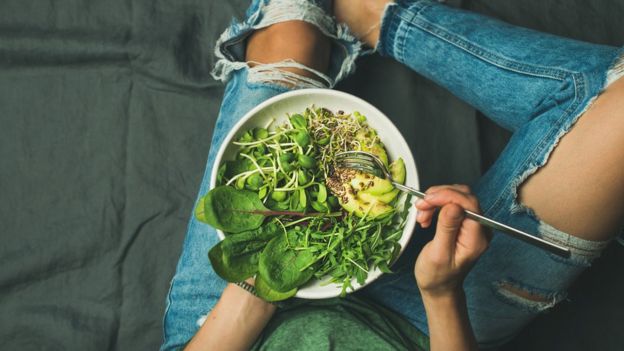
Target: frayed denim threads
(230, 46)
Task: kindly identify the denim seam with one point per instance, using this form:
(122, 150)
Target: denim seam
(167, 308)
(406, 33)
(581, 256)
(396, 33)
(527, 168)
(494, 59)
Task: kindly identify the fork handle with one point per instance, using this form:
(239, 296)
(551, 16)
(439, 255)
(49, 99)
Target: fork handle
(503, 228)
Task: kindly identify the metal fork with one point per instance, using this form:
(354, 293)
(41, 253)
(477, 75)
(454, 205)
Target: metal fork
(369, 163)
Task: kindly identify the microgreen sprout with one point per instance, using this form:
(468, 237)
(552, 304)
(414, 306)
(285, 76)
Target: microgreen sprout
(287, 165)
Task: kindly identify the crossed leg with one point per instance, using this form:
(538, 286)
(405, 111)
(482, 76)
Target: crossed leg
(278, 57)
(584, 173)
(560, 174)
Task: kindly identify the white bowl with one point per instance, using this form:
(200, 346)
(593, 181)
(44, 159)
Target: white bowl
(296, 102)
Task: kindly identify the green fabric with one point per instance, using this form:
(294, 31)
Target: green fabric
(106, 112)
(340, 324)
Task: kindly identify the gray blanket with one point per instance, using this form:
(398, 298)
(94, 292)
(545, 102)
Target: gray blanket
(106, 115)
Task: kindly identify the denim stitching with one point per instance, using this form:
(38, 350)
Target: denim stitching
(527, 168)
(561, 121)
(494, 59)
(401, 37)
(406, 33)
(389, 28)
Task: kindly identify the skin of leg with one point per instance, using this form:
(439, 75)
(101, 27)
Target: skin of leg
(295, 40)
(584, 173)
(363, 17)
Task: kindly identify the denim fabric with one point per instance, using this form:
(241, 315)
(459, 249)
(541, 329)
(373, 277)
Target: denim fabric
(195, 288)
(534, 84)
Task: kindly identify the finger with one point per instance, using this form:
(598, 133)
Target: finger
(473, 237)
(449, 195)
(422, 204)
(459, 187)
(425, 217)
(449, 222)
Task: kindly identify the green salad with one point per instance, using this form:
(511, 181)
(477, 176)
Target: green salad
(289, 215)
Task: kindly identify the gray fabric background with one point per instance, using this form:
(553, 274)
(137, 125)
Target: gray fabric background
(106, 115)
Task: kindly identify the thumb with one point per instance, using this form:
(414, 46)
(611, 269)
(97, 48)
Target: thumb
(449, 222)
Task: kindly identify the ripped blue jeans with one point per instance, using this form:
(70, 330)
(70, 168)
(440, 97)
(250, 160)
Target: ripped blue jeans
(534, 84)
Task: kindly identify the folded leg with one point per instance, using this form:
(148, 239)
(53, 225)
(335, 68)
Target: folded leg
(562, 99)
(281, 46)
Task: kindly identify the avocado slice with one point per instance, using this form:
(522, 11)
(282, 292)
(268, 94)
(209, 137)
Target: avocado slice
(397, 171)
(368, 183)
(385, 198)
(340, 184)
(353, 204)
(367, 136)
(379, 150)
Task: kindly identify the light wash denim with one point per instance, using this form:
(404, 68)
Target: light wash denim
(534, 84)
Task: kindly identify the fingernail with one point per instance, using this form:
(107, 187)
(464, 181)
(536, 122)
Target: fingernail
(430, 196)
(419, 216)
(418, 202)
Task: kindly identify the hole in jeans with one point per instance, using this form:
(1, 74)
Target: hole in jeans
(527, 298)
(281, 73)
(575, 186)
(523, 293)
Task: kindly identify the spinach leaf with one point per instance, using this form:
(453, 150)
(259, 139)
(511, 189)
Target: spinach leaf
(251, 240)
(282, 267)
(233, 210)
(265, 292)
(233, 268)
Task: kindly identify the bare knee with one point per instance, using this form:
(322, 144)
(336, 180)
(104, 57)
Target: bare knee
(291, 41)
(579, 190)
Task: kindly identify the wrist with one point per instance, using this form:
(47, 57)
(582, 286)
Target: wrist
(248, 300)
(443, 296)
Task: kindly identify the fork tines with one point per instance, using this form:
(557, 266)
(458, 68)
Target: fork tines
(359, 160)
